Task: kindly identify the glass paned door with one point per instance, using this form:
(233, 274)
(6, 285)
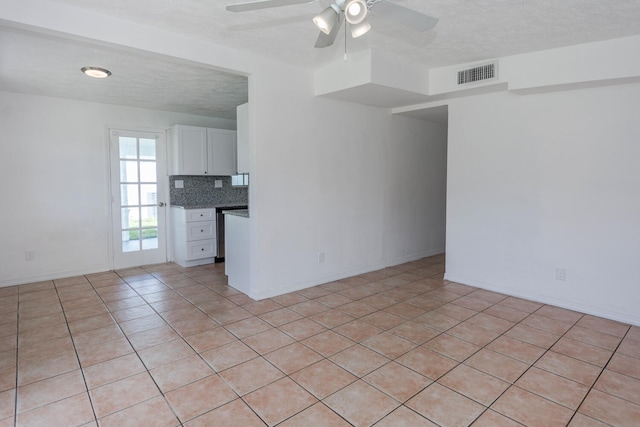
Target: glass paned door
(137, 165)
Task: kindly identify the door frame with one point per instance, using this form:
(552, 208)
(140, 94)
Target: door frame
(108, 128)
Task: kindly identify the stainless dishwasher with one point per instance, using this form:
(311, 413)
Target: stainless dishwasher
(220, 230)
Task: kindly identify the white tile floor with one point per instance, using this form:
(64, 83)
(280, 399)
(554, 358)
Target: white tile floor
(166, 346)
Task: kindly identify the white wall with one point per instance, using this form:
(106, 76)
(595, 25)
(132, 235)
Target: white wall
(54, 182)
(539, 182)
(363, 186)
(535, 182)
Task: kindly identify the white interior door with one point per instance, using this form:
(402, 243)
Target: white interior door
(137, 190)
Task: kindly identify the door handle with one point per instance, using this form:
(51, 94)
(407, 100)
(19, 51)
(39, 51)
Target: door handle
(161, 204)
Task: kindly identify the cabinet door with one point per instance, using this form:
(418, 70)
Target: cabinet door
(190, 151)
(222, 152)
(243, 138)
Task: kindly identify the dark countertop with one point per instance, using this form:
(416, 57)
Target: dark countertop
(210, 206)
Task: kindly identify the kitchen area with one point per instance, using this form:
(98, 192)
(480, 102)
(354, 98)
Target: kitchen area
(209, 194)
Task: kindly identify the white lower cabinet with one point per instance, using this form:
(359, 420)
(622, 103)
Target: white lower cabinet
(194, 236)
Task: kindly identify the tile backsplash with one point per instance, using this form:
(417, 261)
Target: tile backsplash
(201, 190)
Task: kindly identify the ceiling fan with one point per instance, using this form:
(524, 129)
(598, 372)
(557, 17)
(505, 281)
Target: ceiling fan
(354, 12)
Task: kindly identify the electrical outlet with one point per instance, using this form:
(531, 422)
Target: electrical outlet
(179, 183)
(30, 255)
(320, 257)
(561, 274)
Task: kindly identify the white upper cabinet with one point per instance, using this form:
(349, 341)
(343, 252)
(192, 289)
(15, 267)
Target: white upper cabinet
(243, 138)
(202, 151)
(222, 152)
(188, 150)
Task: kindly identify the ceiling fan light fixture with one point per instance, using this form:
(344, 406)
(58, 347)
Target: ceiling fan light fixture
(327, 19)
(360, 29)
(355, 11)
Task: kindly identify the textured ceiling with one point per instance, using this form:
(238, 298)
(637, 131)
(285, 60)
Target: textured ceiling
(467, 31)
(44, 65)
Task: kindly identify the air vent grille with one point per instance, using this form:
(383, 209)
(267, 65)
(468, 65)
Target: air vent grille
(476, 74)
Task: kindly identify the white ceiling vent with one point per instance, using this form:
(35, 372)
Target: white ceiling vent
(477, 74)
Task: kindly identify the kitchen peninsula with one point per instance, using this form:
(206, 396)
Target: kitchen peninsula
(237, 249)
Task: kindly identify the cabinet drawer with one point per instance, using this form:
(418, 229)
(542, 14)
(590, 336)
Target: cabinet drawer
(200, 215)
(201, 230)
(201, 249)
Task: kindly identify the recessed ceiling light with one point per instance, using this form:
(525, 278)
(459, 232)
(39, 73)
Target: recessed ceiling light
(97, 72)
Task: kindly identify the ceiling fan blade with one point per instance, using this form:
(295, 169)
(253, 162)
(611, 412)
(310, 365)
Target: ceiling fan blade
(263, 4)
(326, 40)
(405, 16)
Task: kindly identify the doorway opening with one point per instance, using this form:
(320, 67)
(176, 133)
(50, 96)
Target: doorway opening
(137, 197)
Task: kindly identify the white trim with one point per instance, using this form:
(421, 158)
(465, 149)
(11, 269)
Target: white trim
(273, 292)
(109, 199)
(586, 309)
(53, 276)
(163, 156)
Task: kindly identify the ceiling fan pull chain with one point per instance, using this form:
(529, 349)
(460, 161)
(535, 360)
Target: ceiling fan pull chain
(345, 40)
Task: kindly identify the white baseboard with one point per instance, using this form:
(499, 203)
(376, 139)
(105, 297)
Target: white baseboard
(270, 293)
(545, 299)
(53, 275)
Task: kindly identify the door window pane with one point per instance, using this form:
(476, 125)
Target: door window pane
(147, 149)
(130, 241)
(149, 238)
(148, 171)
(149, 194)
(128, 148)
(130, 217)
(129, 194)
(128, 171)
(150, 216)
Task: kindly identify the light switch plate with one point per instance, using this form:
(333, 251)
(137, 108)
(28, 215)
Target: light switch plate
(179, 183)
(218, 183)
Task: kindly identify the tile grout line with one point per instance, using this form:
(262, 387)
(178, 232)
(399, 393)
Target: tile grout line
(483, 347)
(75, 349)
(117, 323)
(215, 371)
(613, 353)
(300, 342)
(15, 402)
(361, 378)
(148, 370)
(190, 300)
(531, 365)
